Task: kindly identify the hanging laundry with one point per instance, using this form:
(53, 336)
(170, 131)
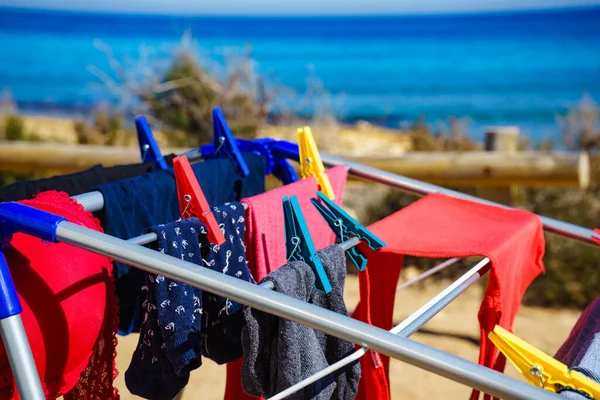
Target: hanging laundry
(132, 205)
(222, 319)
(76, 183)
(441, 226)
(581, 350)
(279, 353)
(69, 312)
(181, 323)
(265, 226)
(374, 381)
(265, 239)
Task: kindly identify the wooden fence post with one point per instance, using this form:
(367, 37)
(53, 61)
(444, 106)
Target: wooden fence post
(504, 139)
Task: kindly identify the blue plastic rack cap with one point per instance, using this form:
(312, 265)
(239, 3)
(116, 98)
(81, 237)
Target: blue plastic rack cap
(9, 299)
(149, 150)
(299, 244)
(224, 144)
(15, 217)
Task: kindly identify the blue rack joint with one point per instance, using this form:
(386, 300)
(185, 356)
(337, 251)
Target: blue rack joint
(15, 217)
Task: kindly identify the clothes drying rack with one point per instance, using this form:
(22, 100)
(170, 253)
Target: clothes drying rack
(16, 217)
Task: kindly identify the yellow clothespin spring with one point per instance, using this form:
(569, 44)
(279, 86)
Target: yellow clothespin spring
(311, 163)
(539, 368)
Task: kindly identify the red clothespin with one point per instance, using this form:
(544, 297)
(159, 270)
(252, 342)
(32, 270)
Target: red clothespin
(192, 202)
(596, 238)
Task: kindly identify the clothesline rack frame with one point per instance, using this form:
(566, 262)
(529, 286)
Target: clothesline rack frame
(20, 218)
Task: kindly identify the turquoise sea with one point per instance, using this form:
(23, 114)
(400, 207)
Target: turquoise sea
(512, 68)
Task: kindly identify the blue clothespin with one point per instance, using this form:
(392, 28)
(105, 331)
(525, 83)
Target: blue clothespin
(277, 166)
(299, 244)
(345, 227)
(224, 145)
(284, 171)
(148, 148)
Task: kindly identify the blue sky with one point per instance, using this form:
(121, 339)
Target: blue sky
(294, 7)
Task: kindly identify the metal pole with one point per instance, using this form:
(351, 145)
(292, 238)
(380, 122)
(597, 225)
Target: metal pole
(428, 273)
(290, 150)
(20, 358)
(91, 201)
(332, 323)
(406, 328)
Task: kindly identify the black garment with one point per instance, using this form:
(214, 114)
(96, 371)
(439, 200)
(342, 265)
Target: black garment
(76, 183)
(133, 205)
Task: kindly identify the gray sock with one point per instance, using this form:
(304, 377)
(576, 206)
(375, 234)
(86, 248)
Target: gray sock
(279, 353)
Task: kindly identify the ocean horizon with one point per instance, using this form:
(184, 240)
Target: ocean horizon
(512, 68)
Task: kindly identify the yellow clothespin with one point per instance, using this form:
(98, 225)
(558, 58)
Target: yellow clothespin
(539, 368)
(310, 161)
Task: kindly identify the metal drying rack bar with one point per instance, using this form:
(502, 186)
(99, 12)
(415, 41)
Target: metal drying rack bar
(341, 326)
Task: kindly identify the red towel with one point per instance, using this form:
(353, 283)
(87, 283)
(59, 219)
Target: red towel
(374, 381)
(441, 226)
(265, 240)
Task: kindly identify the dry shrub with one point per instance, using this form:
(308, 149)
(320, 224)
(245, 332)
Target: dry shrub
(180, 100)
(14, 128)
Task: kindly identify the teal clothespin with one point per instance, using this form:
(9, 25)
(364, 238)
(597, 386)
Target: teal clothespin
(345, 227)
(299, 244)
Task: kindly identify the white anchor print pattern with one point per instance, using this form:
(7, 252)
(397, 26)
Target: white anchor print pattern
(227, 257)
(209, 263)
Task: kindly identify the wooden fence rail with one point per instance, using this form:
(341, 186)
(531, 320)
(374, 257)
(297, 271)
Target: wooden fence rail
(447, 168)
